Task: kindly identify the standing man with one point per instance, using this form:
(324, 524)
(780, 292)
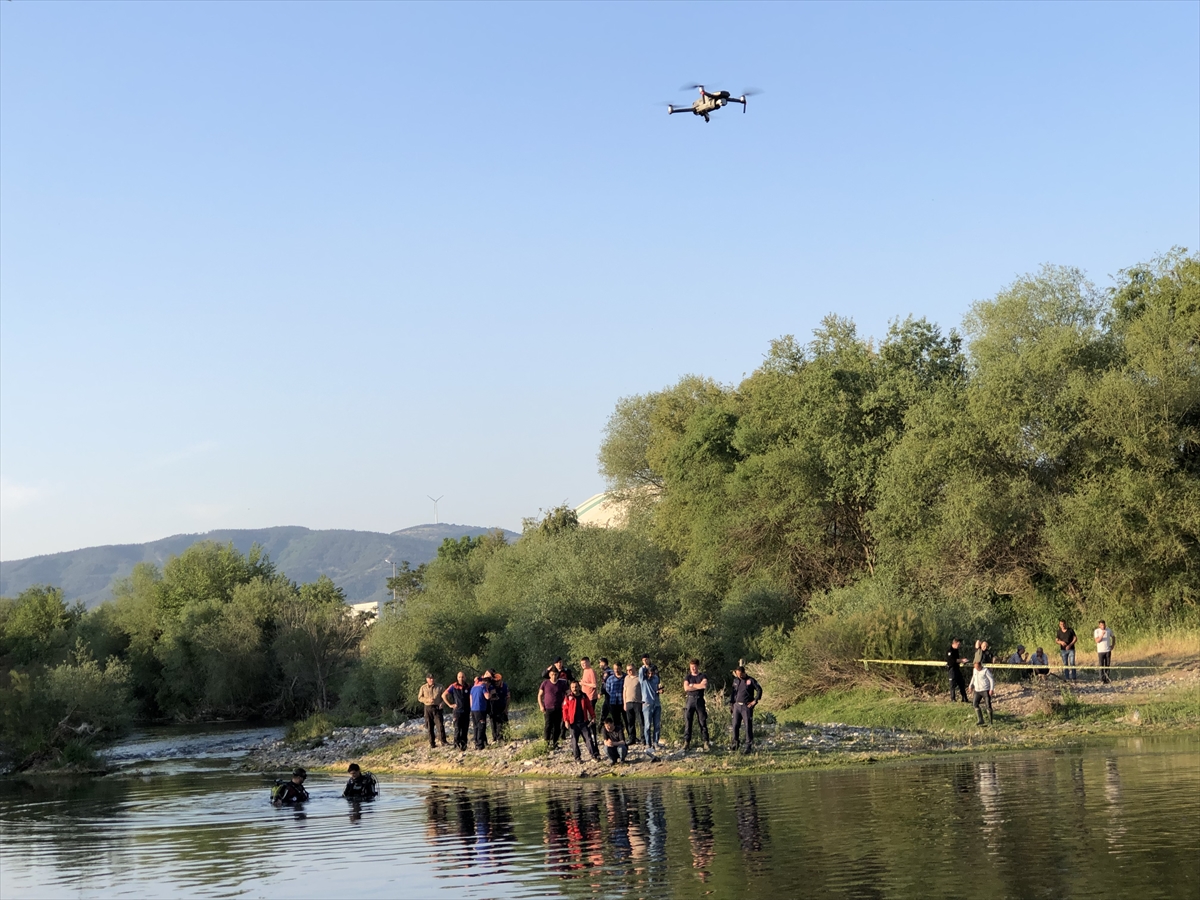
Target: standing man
(498, 707)
(602, 680)
(550, 699)
(590, 685)
(632, 696)
(746, 694)
(651, 704)
(614, 696)
(429, 696)
(457, 697)
(1066, 647)
(695, 683)
(953, 660)
(1104, 644)
(479, 712)
(579, 716)
(983, 685)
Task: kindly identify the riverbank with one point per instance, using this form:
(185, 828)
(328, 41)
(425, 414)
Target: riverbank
(853, 727)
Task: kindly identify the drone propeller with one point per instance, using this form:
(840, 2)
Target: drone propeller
(750, 92)
(692, 87)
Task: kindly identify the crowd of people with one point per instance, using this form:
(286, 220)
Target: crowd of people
(604, 708)
(1037, 665)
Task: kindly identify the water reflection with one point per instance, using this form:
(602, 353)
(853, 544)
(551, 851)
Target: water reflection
(1112, 796)
(751, 827)
(988, 788)
(1052, 825)
(700, 829)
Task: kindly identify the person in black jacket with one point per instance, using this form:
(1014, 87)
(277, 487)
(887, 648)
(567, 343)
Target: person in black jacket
(746, 694)
(289, 793)
(361, 785)
(953, 659)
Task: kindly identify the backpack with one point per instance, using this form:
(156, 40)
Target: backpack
(277, 791)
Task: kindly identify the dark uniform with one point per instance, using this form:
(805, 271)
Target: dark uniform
(746, 690)
(957, 682)
(461, 713)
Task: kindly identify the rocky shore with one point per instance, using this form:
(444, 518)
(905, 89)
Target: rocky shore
(1033, 719)
(402, 749)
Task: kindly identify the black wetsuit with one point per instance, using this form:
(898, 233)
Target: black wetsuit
(361, 787)
(289, 793)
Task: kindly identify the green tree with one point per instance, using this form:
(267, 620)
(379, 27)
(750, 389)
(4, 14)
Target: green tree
(36, 624)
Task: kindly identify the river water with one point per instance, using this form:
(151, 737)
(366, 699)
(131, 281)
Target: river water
(1115, 819)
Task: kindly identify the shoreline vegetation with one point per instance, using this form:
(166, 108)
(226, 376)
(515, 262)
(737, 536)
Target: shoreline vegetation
(850, 498)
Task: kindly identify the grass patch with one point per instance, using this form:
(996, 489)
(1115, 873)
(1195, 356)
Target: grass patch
(313, 728)
(535, 749)
(881, 709)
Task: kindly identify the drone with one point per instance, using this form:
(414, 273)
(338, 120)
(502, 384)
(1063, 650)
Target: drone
(709, 102)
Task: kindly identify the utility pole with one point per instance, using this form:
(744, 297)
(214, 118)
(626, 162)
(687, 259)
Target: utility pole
(435, 503)
(393, 579)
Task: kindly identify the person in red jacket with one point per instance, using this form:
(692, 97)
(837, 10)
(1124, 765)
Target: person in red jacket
(578, 714)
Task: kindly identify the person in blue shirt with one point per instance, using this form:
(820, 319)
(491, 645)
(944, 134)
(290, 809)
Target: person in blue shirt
(651, 702)
(614, 695)
(479, 710)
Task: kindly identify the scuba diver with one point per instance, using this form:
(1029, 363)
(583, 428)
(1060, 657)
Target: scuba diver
(361, 785)
(290, 793)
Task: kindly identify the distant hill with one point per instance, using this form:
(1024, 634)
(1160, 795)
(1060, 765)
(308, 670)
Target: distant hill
(353, 559)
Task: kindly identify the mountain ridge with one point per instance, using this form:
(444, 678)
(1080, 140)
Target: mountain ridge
(353, 559)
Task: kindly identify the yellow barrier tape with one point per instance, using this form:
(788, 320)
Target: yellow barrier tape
(1050, 665)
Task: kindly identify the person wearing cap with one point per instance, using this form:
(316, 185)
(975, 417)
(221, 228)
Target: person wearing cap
(291, 792)
(429, 696)
(1020, 658)
(361, 785)
(746, 694)
(564, 672)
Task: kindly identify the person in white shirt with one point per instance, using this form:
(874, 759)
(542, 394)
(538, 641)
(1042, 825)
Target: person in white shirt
(1104, 645)
(983, 685)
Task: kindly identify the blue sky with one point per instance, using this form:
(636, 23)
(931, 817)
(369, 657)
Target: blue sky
(268, 264)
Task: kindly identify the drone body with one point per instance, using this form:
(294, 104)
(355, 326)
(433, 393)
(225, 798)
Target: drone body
(709, 102)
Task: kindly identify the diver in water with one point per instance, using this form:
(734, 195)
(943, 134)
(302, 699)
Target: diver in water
(361, 785)
(289, 793)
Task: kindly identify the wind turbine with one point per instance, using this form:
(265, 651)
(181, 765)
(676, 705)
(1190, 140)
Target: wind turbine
(435, 503)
